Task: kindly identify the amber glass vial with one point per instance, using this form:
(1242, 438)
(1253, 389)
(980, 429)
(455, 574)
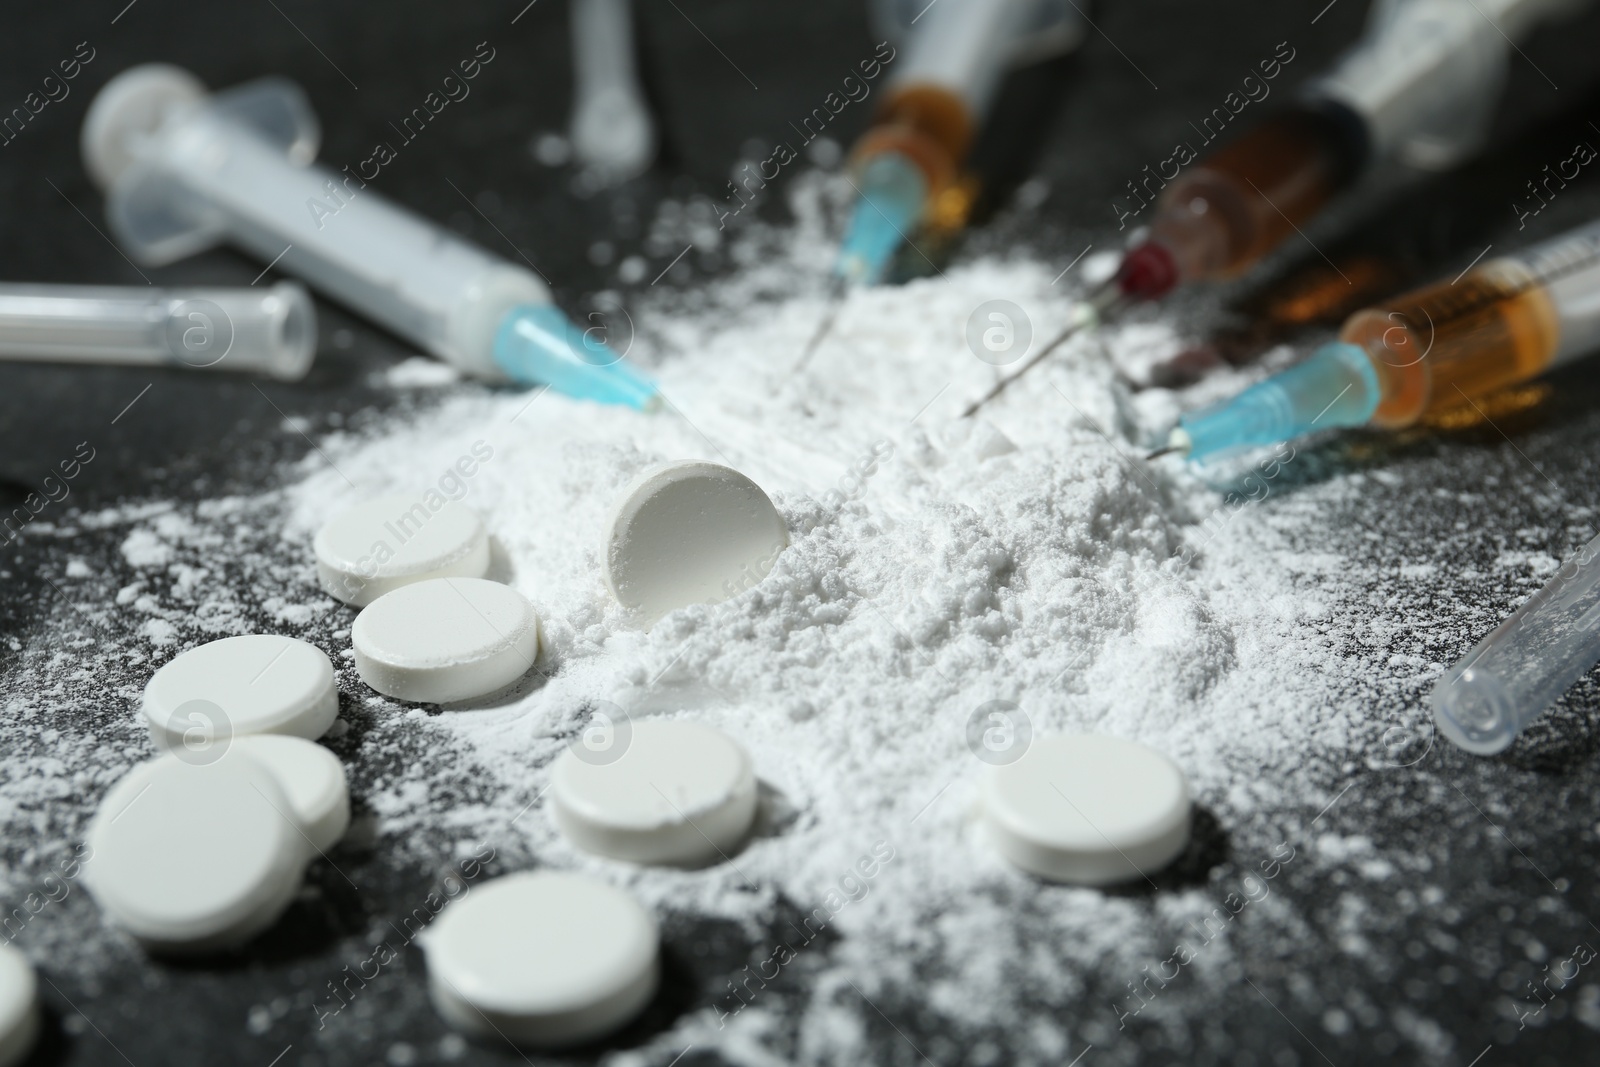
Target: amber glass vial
(1451, 344)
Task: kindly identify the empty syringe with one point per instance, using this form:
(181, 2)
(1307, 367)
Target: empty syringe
(1445, 346)
(184, 169)
(1420, 87)
(907, 169)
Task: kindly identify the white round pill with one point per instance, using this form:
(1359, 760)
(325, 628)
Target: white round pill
(445, 639)
(689, 533)
(254, 684)
(19, 1006)
(542, 959)
(313, 780)
(678, 793)
(193, 857)
(381, 544)
(1088, 809)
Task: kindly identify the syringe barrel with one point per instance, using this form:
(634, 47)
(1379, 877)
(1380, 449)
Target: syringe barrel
(1513, 675)
(205, 174)
(962, 47)
(270, 330)
(1504, 321)
(943, 83)
(1568, 267)
(1427, 74)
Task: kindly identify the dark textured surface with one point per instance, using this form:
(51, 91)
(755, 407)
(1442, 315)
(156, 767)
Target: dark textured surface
(190, 437)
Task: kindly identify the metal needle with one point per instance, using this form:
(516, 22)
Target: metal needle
(1091, 312)
(837, 291)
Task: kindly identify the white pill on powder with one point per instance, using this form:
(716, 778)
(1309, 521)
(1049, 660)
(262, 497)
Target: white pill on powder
(543, 959)
(19, 1006)
(445, 639)
(312, 779)
(253, 684)
(390, 541)
(1087, 809)
(689, 533)
(679, 793)
(193, 857)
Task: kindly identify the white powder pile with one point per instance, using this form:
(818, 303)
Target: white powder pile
(1026, 556)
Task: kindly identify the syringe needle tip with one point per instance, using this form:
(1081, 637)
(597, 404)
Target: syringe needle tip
(837, 289)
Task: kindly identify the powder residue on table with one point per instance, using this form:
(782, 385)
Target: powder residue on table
(936, 565)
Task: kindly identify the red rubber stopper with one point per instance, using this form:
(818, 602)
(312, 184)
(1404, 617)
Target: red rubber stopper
(1148, 272)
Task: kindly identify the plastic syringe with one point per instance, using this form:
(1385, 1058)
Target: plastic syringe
(184, 169)
(1420, 86)
(270, 331)
(1513, 675)
(907, 168)
(1444, 346)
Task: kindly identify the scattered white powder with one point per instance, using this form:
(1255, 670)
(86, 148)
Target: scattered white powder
(420, 372)
(1027, 556)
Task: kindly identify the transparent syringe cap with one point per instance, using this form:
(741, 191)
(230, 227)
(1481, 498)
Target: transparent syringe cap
(261, 331)
(1513, 676)
(1475, 711)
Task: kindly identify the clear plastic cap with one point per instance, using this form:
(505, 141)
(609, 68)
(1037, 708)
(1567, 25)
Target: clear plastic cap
(1513, 675)
(271, 331)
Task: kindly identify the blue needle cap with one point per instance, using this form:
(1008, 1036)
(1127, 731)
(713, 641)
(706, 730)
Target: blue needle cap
(538, 344)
